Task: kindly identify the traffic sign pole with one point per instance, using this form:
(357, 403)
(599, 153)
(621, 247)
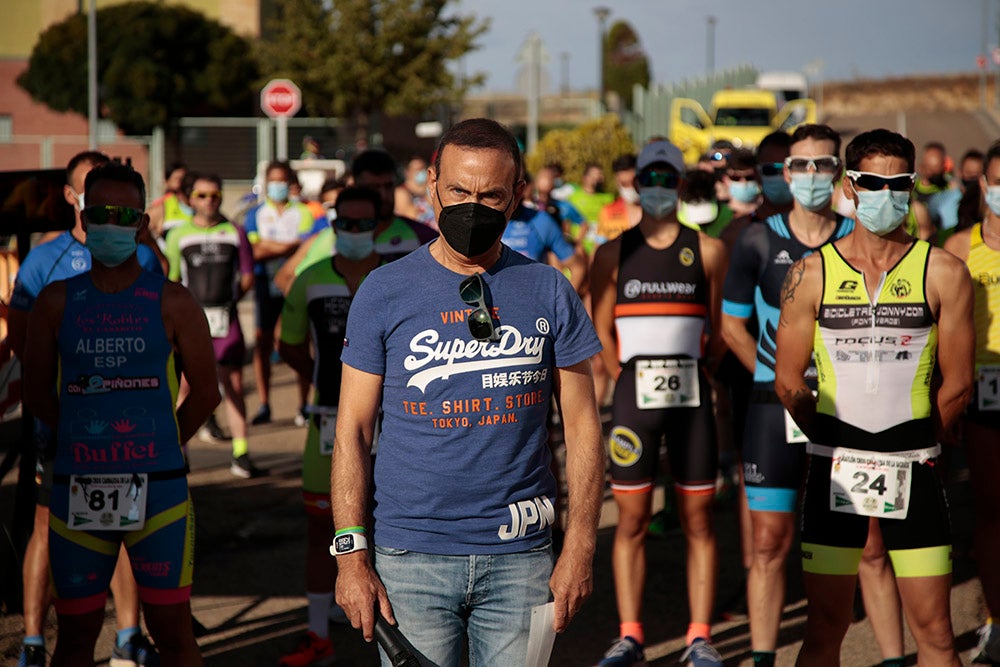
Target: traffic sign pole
(281, 127)
(280, 99)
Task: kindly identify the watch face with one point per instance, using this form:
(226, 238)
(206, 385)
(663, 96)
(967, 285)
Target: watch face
(344, 543)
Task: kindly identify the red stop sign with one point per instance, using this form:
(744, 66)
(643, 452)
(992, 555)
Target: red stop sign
(280, 98)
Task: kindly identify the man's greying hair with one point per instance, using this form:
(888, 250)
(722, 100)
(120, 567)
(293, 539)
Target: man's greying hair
(481, 133)
(879, 142)
(114, 170)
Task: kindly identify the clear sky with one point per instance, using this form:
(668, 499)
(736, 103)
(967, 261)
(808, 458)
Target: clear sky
(852, 38)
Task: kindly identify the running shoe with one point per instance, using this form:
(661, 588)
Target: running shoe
(31, 656)
(263, 415)
(701, 654)
(312, 650)
(623, 653)
(137, 651)
(211, 431)
(243, 467)
(988, 650)
(301, 418)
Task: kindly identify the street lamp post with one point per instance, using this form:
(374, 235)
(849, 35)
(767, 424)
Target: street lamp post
(710, 46)
(602, 14)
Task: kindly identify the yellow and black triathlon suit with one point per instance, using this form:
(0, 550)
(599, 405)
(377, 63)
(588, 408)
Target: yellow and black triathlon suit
(874, 451)
(662, 394)
(984, 267)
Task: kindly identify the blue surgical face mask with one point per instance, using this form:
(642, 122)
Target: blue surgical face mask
(744, 191)
(658, 201)
(813, 191)
(420, 178)
(775, 189)
(355, 245)
(993, 198)
(111, 244)
(79, 199)
(882, 211)
(277, 191)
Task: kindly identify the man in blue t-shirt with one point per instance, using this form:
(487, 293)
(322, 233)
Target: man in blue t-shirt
(464, 363)
(534, 233)
(60, 258)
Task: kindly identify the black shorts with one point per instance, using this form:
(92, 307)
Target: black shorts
(268, 305)
(636, 434)
(773, 469)
(919, 545)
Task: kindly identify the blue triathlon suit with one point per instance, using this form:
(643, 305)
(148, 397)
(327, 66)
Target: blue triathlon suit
(61, 258)
(117, 391)
(772, 467)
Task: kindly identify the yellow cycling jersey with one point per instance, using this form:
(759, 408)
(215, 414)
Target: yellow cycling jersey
(874, 359)
(984, 267)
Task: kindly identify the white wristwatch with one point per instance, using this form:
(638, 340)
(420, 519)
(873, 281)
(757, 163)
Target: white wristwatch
(348, 543)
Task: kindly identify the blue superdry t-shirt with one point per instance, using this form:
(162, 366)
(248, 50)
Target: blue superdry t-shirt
(463, 465)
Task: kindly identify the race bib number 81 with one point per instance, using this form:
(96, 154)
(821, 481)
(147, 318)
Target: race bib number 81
(107, 502)
(667, 383)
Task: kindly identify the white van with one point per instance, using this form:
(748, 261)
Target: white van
(786, 86)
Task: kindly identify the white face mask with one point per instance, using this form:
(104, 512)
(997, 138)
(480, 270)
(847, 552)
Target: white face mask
(79, 199)
(699, 213)
(630, 195)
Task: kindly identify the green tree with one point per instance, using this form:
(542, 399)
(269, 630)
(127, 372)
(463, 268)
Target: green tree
(155, 63)
(625, 63)
(597, 141)
(355, 58)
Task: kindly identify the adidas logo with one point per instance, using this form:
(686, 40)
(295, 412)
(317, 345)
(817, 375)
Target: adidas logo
(783, 258)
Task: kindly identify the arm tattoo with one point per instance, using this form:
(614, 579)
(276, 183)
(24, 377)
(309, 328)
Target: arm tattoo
(792, 280)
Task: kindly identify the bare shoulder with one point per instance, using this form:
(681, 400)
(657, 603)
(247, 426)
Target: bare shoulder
(52, 299)
(958, 243)
(607, 255)
(712, 249)
(178, 302)
(945, 270)
(804, 279)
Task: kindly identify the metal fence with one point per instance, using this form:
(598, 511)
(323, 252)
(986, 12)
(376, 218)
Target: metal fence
(650, 113)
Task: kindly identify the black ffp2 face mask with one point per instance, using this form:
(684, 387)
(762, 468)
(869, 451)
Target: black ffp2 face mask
(471, 228)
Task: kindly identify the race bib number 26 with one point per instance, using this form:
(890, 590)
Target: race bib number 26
(667, 383)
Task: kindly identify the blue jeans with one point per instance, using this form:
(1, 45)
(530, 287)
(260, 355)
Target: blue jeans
(438, 600)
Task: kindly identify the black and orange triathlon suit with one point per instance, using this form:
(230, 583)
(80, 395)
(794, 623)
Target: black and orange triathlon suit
(662, 395)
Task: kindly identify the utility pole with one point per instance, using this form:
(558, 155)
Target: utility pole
(92, 75)
(564, 73)
(602, 14)
(710, 46)
(532, 55)
(984, 50)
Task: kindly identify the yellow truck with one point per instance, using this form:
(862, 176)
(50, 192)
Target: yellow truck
(743, 117)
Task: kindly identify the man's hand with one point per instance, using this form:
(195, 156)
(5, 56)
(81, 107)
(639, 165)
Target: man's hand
(358, 591)
(571, 584)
